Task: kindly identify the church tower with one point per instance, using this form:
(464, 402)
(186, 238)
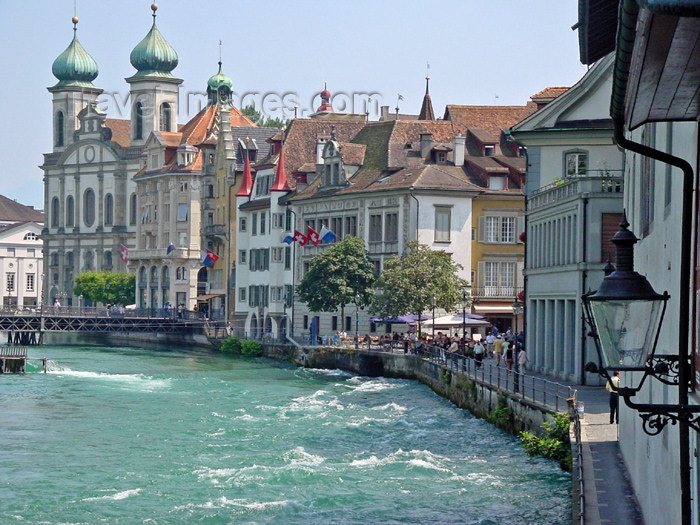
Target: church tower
(154, 90)
(75, 70)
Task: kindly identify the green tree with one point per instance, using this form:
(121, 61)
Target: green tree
(340, 275)
(106, 287)
(410, 281)
(261, 120)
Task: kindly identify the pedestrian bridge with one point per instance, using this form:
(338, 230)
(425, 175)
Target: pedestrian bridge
(27, 326)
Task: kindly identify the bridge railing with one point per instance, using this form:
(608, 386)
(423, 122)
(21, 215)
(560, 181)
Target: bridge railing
(93, 311)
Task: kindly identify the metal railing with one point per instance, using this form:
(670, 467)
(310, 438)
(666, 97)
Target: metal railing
(578, 463)
(92, 311)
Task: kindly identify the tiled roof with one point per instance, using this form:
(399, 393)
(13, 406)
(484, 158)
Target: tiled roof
(407, 132)
(353, 153)
(171, 138)
(484, 136)
(549, 93)
(13, 211)
(493, 119)
(426, 110)
(300, 141)
(121, 131)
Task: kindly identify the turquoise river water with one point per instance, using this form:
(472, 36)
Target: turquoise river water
(123, 435)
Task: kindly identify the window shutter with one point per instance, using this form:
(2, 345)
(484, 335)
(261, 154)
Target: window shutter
(519, 280)
(482, 230)
(519, 228)
(480, 271)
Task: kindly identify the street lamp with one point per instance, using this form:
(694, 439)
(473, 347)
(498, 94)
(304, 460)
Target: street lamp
(434, 304)
(517, 310)
(465, 304)
(625, 316)
(357, 319)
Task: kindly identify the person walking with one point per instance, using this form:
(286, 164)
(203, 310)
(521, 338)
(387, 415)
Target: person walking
(497, 349)
(508, 351)
(490, 339)
(478, 353)
(523, 360)
(612, 386)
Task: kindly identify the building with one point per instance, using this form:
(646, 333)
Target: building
(21, 259)
(574, 204)
(654, 107)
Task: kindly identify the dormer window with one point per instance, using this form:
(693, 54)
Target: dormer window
(489, 150)
(441, 157)
(497, 182)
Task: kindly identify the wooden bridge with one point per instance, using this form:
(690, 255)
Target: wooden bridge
(28, 326)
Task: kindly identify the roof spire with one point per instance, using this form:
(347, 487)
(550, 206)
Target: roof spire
(325, 106)
(280, 183)
(247, 183)
(426, 110)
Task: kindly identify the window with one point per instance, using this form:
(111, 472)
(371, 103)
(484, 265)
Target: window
(55, 212)
(277, 255)
(109, 209)
(69, 259)
(254, 226)
(107, 259)
(576, 163)
(132, 209)
(337, 227)
(182, 212)
(30, 282)
(89, 207)
(242, 256)
(138, 114)
(277, 294)
(375, 228)
(181, 273)
(498, 278)
(11, 252)
(287, 258)
(70, 211)
(262, 223)
(31, 252)
(31, 236)
(391, 227)
(10, 282)
(489, 150)
(334, 323)
(59, 129)
(500, 230)
(350, 226)
(497, 182)
(263, 184)
(165, 117)
(53, 259)
(442, 224)
(183, 187)
(242, 295)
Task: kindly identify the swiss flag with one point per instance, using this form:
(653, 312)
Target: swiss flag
(313, 236)
(300, 238)
(124, 253)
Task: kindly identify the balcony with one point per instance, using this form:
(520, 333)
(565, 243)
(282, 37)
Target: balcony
(214, 229)
(496, 292)
(162, 253)
(595, 181)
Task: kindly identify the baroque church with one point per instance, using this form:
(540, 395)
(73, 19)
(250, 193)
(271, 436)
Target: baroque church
(137, 195)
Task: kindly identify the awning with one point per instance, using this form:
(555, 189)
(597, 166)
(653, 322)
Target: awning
(491, 309)
(208, 296)
(454, 321)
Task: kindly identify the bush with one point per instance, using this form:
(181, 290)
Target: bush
(231, 345)
(251, 347)
(554, 442)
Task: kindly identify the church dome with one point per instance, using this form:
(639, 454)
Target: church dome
(153, 56)
(219, 80)
(75, 67)
(219, 88)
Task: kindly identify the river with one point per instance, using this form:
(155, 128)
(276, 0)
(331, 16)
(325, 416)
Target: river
(126, 436)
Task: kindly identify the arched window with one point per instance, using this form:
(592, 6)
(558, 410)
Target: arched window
(59, 128)
(107, 259)
(89, 207)
(165, 116)
(31, 236)
(142, 277)
(54, 259)
(166, 276)
(55, 212)
(70, 211)
(154, 276)
(132, 209)
(89, 260)
(69, 259)
(181, 273)
(109, 209)
(138, 125)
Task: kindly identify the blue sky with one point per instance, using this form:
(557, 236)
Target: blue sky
(480, 53)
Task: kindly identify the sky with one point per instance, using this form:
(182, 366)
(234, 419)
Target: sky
(278, 54)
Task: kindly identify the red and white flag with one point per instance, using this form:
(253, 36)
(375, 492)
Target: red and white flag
(313, 236)
(300, 238)
(124, 253)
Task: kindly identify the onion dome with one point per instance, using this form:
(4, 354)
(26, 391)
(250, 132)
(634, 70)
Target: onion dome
(153, 56)
(75, 67)
(325, 106)
(219, 87)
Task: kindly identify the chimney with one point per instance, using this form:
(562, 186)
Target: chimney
(426, 144)
(320, 143)
(458, 150)
(384, 113)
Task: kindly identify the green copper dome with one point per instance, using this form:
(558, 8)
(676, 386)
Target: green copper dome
(153, 56)
(75, 67)
(219, 80)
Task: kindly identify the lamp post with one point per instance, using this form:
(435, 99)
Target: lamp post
(625, 316)
(357, 320)
(465, 303)
(434, 304)
(517, 310)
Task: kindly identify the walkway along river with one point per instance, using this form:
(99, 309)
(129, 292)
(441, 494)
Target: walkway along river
(120, 435)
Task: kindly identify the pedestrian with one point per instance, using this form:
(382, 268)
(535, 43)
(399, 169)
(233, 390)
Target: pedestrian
(497, 349)
(612, 386)
(509, 350)
(522, 360)
(490, 339)
(478, 353)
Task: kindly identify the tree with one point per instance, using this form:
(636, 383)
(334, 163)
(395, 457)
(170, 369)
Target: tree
(106, 287)
(410, 281)
(261, 120)
(340, 275)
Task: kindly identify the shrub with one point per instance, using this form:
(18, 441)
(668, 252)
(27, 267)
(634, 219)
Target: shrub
(553, 443)
(251, 347)
(231, 345)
